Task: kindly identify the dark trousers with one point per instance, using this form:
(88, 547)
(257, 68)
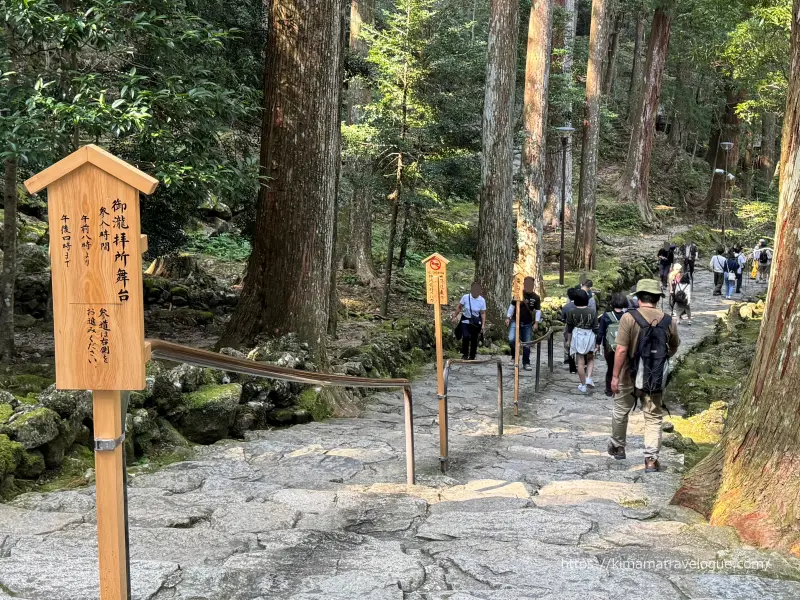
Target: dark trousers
(739, 282)
(688, 265)
(663, 271)
(609, 355)
(719, 280)
(469, 341)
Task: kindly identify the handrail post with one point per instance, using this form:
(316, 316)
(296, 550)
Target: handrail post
(409, 419)
(538, 363)
(444, 421)
(499, 396)
(550, 352)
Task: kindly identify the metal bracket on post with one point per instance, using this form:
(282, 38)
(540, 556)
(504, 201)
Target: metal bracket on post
(101, 445)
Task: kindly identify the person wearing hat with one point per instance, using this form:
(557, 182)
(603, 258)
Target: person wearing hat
(647, 316)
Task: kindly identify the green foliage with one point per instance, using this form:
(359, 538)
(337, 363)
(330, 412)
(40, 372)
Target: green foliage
(617, 217)
(225, 246)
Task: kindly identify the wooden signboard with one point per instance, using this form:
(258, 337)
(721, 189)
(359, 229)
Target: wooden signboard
(98, 312)
(96, 256)
(436, 278)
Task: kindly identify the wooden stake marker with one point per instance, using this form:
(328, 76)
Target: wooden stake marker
(517, 309)
(436, 285)
(96, 250)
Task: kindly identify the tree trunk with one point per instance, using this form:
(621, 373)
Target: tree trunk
(756, 459)
(746, 166)
(287, 288)
(635, 87)
(9, 272)
(552, 210)
(633, 184)
(405, 237)
(530, 227)
(766, 161)
(359, 250)
(362, 12)
(724, 160)
(611, 58)
(495, 250)
(586, 225)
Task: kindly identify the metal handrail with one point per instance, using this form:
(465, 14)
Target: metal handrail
(204, 358)
(444, 461)
(538, 343)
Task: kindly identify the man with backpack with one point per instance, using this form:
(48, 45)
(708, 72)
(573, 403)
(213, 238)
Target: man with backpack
(645, 341)
(762, 255)
(689, 257)
(530, 315)
(718, 267)
(607, 335)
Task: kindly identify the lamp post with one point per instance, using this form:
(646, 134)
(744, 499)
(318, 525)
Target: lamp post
(564, 132)
(726, 147)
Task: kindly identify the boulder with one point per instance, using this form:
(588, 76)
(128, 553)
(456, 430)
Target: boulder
(144, 430)
(32, 259)
(210, 412)
(66, 403)
(188, 378)
(6, 411)
(35, 428)
(55, 450)
(31, 465)
(212, 207)
(25, 321)
(11, 454)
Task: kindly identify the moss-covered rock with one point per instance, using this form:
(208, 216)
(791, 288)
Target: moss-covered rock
(31, 465)
(184, 316)
(67, 403)
(35, 428)
(6, 410)
(209, 413)
(32, 259)
(679, 443)
(315, 402)
(11, 454)
(25, 383)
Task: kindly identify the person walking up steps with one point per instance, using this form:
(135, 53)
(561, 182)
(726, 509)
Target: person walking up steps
(472, 309)
(582, 330)
(718, 262)
(607, 335)
(568, 308)
(741, 260)
(529, 318)
(682, 299)
(664, 263)
(689, 257)
(762, 256)
(731, 269)
(645, 341)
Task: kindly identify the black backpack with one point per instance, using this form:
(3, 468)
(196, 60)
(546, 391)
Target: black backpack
(680, 296)
(763, 257)
(652, 354)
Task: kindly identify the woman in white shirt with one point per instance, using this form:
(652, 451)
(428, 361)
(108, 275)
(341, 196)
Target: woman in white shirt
(472, 309)
(682, 299)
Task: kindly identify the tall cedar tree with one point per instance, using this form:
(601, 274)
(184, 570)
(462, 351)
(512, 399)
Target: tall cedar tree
(495, 252)
(766, 160)
(287, 287)
(635, 85)
(717, 157)
(586, 223)
(530, 226)
(633, 184)
(751, 480)
(563, 39)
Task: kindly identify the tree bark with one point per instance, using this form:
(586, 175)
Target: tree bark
(359, 249)
(9, 272)
(722, 160)
(756, 459)
(287, 288)
(405, 237)
(586, 225)
(633, 184)
(530, 226)
(552, 210)
(362, 12)
(611, 58)
(746, 166)
(495, 250)
(635, 87)
(766, 161)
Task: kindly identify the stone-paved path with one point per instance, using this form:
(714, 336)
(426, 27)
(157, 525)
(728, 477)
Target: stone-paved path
(319, 512)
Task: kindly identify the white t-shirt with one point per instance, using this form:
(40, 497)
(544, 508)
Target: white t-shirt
(718, 263)
(472, 306)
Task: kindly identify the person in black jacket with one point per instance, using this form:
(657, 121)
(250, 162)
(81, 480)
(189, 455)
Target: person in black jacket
(607, 334)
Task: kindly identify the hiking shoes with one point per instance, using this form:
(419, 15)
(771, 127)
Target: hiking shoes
(651, 465)
(617, 452)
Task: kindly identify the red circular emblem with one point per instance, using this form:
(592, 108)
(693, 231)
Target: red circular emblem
(436, 264)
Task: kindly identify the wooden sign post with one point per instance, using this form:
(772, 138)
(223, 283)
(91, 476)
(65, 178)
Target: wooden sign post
(436, 285)
(96, 251)
(517, 309)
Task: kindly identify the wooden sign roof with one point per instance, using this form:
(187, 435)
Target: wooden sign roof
(98, 157)
(435, 255)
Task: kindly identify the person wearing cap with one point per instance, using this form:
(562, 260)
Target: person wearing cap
(649, 294)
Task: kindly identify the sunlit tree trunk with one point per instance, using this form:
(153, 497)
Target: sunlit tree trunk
(586, 225)
(287, 288)
(495, 252)
(562, 38)
(722, 160)
(530, 227)
(751, 481)
(766, 161)
(637, 70)
(633, 184)
(746, 165)
(362, 12)
(359, 244)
